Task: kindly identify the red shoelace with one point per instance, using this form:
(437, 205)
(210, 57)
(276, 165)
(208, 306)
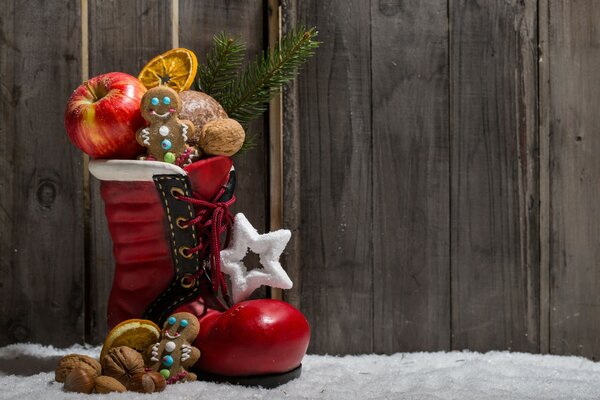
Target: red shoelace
(212, 220)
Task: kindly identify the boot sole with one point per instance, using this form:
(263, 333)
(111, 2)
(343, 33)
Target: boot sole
(269, 381)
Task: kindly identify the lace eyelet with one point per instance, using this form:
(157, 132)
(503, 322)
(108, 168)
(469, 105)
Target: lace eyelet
(184, 252)
(177, 192)
(181, 223)
(187, 282)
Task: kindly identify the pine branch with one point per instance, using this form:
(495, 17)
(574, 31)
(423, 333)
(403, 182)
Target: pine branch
(247, 97)
(222, 64)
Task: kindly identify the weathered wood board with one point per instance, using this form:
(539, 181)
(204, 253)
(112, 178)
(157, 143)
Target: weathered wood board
(495, 194)
(335, 208)
(411, 166)
(573, 70)
(41, 179)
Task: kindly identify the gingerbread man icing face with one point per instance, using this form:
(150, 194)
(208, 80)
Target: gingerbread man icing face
(166, 137)
(174, 354)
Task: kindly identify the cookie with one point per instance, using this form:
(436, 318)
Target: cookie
(173, 355)
(166, 136)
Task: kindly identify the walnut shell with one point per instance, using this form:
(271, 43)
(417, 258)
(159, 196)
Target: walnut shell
(105, 384)
(221, 137)
(79, 381)
(199, 108)
(122, 363)
(141, 383)
(76, 361)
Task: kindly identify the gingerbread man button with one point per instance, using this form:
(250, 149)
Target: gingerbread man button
(166, 136)
(174, 354)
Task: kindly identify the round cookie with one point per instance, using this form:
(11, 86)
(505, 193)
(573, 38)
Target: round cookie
(166, 136)
(174, 354)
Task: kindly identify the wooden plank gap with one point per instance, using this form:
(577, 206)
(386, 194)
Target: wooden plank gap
(544, 140)
(275, 137)
(85, 71)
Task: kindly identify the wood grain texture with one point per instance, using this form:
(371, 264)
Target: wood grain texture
(544, 175)
(41, 211)
(334, 121)
(123, 36)
(291, 139)
(245, 19)
(411, 166)
(574, 121)
(495, 193)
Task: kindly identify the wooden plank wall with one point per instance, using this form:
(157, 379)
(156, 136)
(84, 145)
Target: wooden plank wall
(573, 142)
(41, 178)
(440, 168)
(482, 151)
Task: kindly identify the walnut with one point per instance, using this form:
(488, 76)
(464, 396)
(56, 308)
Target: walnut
(221, 137)
(76, 361)
(123, 363)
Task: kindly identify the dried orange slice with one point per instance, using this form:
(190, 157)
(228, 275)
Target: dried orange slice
(135, 333)
(176, 68)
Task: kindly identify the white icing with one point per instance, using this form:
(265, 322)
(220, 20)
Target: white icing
(184, 133)
(170, 346)
(145, 135)
(165, 115)
(185, 356)
(163, 130)
(153, 358)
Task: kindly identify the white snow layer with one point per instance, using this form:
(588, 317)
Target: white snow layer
(455, 375)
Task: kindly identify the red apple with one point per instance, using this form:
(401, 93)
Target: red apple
(103, 115)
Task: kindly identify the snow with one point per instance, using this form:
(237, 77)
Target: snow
(455, 375)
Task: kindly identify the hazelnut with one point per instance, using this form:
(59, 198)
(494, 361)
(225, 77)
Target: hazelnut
(106, 384)
(80, 381)
(160, 382)
(141, 383)
(76, 361)
(122, 363)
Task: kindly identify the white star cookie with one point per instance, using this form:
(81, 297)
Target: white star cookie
(268, 246)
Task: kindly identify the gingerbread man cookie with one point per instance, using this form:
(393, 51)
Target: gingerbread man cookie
(166, 136)
(174, 354)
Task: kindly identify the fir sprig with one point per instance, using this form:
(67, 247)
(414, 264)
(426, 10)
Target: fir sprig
(247, 97)
(222, 64)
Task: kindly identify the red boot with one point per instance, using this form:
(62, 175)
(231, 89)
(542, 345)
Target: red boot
(166, 224)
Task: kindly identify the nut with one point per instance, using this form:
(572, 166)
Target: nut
(122, 363)
(106, 384)
(221, 137)
(141, 383)
(199, 108)
(160, 382)
(80, 381)
(76, 361)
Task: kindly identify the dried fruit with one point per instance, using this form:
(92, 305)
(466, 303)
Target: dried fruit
(141, 383)
(122, 363)
(79, 381)
(176, 68)
(106, 384)
(159, 381)
(76, 361)
(135, 333)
